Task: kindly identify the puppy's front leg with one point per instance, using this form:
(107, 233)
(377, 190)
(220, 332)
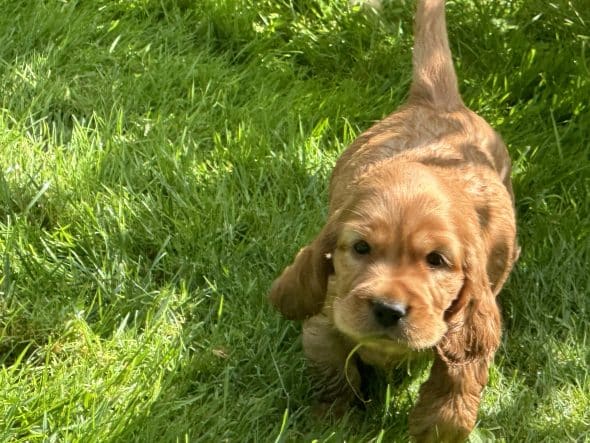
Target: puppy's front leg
(447, 406)
(327, 352)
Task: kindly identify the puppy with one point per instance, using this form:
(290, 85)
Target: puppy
(419, 240)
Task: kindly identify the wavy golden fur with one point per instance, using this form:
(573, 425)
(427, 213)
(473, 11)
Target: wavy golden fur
(419, 240)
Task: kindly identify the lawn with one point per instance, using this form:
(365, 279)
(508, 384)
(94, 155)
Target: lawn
(162, 160)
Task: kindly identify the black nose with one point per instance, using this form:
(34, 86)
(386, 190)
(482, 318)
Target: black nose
(387, 314)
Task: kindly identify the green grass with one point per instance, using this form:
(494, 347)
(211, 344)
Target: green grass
(162, 160)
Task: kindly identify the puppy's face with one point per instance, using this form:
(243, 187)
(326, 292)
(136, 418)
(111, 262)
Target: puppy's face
(398, 260)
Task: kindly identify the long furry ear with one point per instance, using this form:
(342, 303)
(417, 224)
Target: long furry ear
(299, 292)
(473, 319)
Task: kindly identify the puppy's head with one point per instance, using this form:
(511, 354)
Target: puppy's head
(407, 261)
(399, 257)
(412, 263)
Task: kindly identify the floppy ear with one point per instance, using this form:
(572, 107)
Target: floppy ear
(473, 318)
(299, 292)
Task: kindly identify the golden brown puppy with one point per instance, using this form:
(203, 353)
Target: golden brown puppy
(419, 240)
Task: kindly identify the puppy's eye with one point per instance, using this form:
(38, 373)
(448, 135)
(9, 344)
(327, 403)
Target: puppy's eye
(435, 260)
(361, 247)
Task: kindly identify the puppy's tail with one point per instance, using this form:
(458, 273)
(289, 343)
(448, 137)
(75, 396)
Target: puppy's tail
(434, 80)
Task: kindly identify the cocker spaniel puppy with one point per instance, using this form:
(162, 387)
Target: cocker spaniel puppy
(419, 240)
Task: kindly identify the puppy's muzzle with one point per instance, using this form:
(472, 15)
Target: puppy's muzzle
(387, 314)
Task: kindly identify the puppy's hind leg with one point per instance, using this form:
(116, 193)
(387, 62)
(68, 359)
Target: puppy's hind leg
(337, 376)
